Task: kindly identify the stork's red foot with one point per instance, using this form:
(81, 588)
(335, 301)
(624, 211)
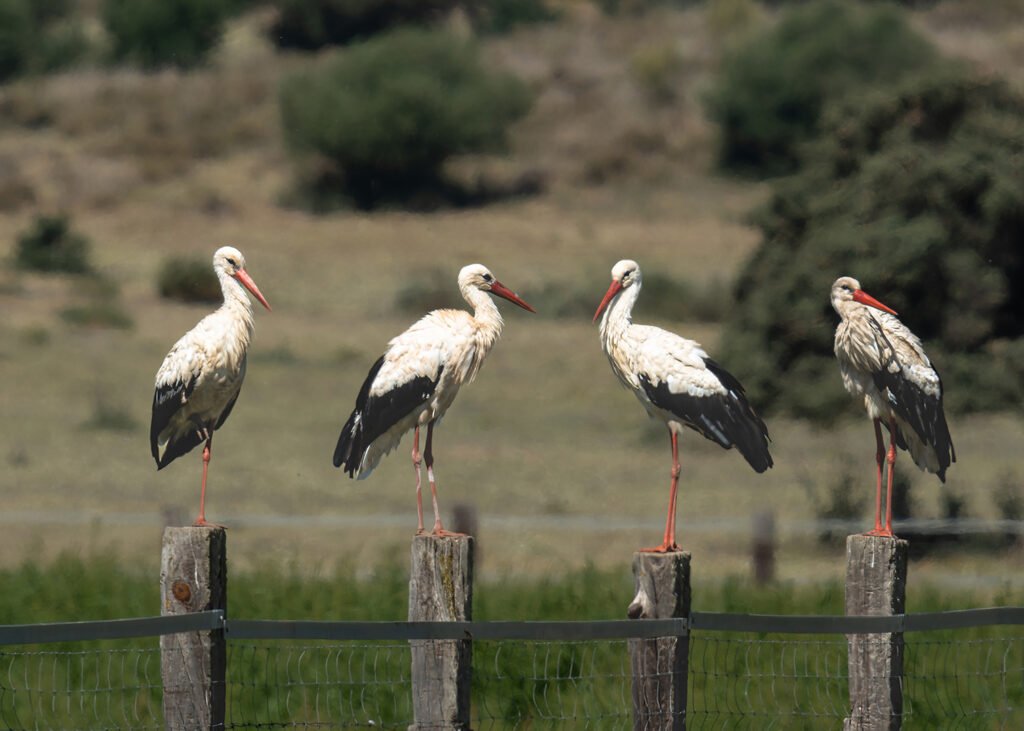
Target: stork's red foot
(202, 522)
(880, 533)
(442, 533)
(663, 548)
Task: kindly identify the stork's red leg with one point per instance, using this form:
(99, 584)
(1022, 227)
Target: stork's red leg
(428, 457)
(201, 520)
(668, 542)
(879, 460)
(891, 459)
(419, 490)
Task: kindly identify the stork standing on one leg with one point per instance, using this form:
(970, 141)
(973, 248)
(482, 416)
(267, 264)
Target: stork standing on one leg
(417, 378)
(884, 364)
(677, 382)
(199, 381)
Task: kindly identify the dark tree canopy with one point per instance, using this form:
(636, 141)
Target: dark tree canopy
(772, 88)
(918, 192)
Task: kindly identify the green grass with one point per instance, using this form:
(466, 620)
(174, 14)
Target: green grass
(515, 683)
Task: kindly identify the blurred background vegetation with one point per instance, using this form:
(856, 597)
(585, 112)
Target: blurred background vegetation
(360, 151)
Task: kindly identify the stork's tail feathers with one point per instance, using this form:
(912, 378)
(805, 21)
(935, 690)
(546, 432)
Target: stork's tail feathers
(738, 424)
(350, 448)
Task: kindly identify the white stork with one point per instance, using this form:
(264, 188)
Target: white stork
(884, 364)
(417, 378)
(199, 381)
(677, 382)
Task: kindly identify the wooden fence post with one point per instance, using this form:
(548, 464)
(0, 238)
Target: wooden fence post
(441, 590)
(193, 578)
(660, 665)
(876, 584)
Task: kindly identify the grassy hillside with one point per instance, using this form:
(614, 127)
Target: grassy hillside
(560, 462)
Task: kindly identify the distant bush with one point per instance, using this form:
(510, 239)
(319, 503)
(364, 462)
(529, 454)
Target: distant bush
(61, 46)
(312, 24)
(155, 33)
(51, 246)
(501, 16)
(188, 279)
(429, 290)
(16, 37)
(658, 70)
(99, 305)
(386, 115)
(916, 192)
(33, 38)
(108, 415)
(772, 88)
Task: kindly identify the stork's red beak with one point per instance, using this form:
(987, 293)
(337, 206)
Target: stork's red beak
(246, 280)
(613, 289)
(859, 295)
(505, 293)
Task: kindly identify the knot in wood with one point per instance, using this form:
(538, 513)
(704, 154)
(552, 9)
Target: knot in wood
(182, 591)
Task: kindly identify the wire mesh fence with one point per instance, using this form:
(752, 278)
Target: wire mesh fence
(970, 677)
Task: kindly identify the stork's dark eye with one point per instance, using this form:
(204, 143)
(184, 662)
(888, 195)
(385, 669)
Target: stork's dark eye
(232, 262)
(488, 278)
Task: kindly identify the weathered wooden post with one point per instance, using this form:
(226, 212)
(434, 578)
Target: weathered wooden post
(876, 584)
(193, 665)
(441, 590)
(762, 550)
(660, 665)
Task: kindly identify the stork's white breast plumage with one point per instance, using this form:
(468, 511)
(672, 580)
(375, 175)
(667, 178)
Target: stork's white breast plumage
(198, 382)
(883, 363)
(429, 362)
(677, 382)
(417, 378)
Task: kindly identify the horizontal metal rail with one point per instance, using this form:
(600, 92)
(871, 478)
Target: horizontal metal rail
(109, 629)
(249, 629)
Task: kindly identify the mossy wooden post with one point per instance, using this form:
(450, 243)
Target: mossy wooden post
(193, 578)
(660, 665)
(876, 584)
(441, 590)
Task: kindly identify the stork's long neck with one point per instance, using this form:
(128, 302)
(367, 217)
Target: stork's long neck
(237, 307)
(618, 316)
(487, 317)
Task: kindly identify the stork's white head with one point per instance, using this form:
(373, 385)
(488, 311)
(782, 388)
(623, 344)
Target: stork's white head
(229, 262)
(847, 289)
(477, 276)
(625, 274)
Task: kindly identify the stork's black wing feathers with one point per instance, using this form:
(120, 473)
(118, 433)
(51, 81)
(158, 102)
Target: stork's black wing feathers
(374, 415)
(726, 419)
(922, 411)
(167, 399)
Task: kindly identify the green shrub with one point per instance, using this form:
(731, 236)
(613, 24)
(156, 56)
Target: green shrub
(188, 279)
(916, 192)
(430, 290)
(312, 24)
(17, 31)
(110, 416)
(34, 37)
(155, 33)
(61, 46)
(772, 88)
(99, 305)
(51, 246)
(502, 16)
(388, 113)
(658, 70)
